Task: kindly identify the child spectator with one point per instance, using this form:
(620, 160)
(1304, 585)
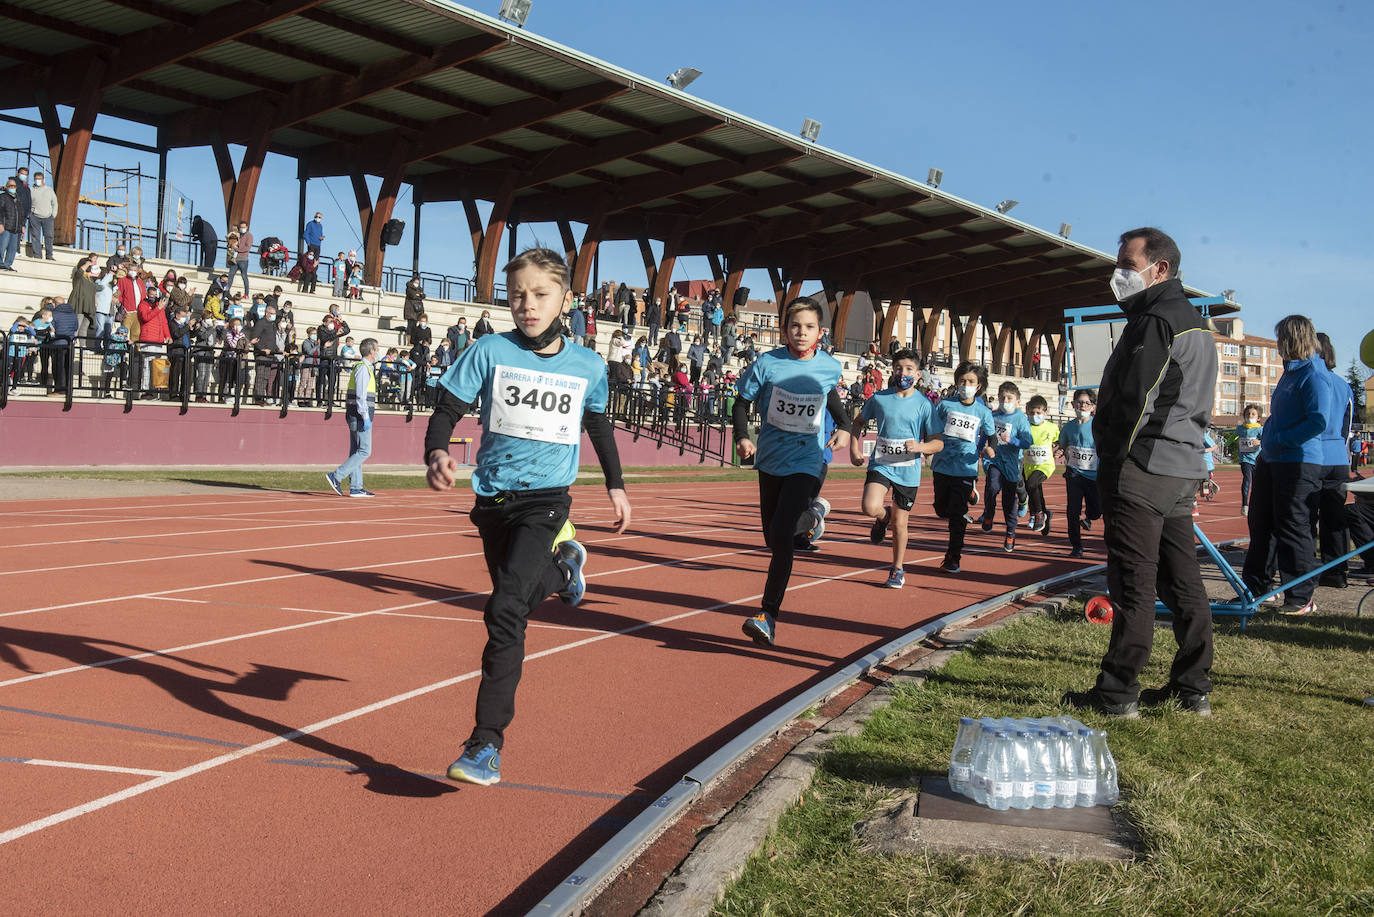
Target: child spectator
(204, 336)
(355, 282)
(114, 364)
(340, 276)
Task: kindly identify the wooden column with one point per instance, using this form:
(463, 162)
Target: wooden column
(489, 250)
(840, 320)
(67, 181)
(795, 278)
(1061, 352)
(565, 233)
(779, 288)
(586, 255)
(890, 315)
(968, 336)
(736, 264)
(932, 330)
(373, 216)
(717, 272)
(246, 185)
(1001, 349)
(663, 275)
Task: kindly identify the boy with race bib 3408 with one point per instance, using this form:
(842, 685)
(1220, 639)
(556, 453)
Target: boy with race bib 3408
(1080, 473)
(906, 433)
(537, 392)
(794, 387)
(965, 425)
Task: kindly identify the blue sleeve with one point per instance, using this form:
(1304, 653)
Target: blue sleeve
(1021, 425)
(467, 377)
(1313, 423)
(597, 393)
(989, 428)
(749, 382)
(866, 413)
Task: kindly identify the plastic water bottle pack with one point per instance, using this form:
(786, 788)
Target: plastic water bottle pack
(1053, 762)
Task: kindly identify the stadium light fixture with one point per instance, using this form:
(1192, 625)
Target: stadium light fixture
(934, 177)
(515, 11)
(682, 76)
(1229, 295)
(810, 130)
(1065, 229)
(1006, 205)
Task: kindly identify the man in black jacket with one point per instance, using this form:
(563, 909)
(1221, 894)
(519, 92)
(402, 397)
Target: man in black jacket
(1153, 408)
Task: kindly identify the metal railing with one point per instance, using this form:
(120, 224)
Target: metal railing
(695, 421)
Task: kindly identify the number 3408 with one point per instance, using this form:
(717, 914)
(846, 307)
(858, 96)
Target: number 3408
(547, 400)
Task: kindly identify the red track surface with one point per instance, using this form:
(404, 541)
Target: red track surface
(244, 703)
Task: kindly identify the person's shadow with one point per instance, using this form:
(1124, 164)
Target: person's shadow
(263, 682)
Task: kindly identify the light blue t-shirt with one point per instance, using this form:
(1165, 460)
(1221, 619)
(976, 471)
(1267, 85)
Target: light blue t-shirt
(532, 410)
(791, 396)
(899, 418)
(964, 428)
(1248, 443)
(1209, 458)
(1008, 458)
(1080, 450)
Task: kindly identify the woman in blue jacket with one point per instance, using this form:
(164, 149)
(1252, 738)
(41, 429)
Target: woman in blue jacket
(1288, 474)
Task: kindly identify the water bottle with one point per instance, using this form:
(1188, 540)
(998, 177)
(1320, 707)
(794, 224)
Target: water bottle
(1023, 787)
(1042, 771)
(1065, 770)
(1000, 768)
(1107, 791)
(1086, 761)
(961, 758)
(983, 763)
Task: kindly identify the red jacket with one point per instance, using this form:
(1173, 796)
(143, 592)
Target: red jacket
(154, 319)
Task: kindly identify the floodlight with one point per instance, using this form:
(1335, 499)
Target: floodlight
(1229, 295)
(934, 177)
(1006, 205)
(811, 129)
(1065, 229)
(680, 77)
(515, 11)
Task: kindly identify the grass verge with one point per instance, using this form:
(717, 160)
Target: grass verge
(1265, 808)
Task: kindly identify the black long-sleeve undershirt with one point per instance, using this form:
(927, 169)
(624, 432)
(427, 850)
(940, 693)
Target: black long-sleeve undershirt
(448, 410)
(739, 415)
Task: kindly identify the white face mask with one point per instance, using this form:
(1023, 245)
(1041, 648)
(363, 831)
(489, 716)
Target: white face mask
(1085, 416)
(1126, 283)
(38, 182)
(1008, 407)
(968, 392)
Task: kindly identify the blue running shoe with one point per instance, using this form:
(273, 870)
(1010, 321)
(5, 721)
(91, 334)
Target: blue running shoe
(896, 581)
(760, 628)
(1022, 509)
(333, 484)
(479, 764)
(571, 557)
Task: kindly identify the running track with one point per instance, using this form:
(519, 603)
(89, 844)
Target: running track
(243, 703)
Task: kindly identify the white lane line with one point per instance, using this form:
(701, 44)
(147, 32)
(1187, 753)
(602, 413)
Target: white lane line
(134, 538)
(166, 779)
(75, 765)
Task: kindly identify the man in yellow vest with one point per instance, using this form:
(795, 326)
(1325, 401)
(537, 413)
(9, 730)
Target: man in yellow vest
(360, 409)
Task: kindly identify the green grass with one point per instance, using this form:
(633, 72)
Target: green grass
(1265, 808)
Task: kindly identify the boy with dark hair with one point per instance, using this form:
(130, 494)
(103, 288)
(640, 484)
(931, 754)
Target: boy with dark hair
(1038, 460)
(1003, 465)
(966, 425)
(1080, 473)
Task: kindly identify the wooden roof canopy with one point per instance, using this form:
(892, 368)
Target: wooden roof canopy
(467, 108)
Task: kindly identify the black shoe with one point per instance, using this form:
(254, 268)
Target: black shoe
(1085, 524)
(1187, 701)
(1091, 700)
(950, 566)
(1076, 552)
(879, 529)
(1045, 529)
(1333, 580)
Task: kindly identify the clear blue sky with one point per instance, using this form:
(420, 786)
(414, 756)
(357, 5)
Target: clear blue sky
(1242, 129)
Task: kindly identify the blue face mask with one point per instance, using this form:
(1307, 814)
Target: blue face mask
(906, 382)
(1037, 419)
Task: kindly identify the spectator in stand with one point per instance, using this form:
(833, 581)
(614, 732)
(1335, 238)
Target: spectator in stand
(826, 344)
(307, 273)
(331, 329)
(696, 356)
(355, 282)
(41, 218)
(484, 327)
(64, 334)
(205, 334)
(673, 342)
(269, 339)
(653, 317)
(729, 338)
(443, 354)
(683, 312)
(204, 233)
(625, 308)
(153, 336)
(274, 299)
(640, 363)
(114, 365)
(42, 335)
(340, 276)
(24, 196)
(422, 336)
(310, 362)
(20, 356)
(414, 306)
(232, 367)
(577, 322)
(351, 261)
(243, 250)
(179, 330)
(9, 225)
(459, 337)
(312, 236)
(717, 318)
(82, 295)
(105, 303)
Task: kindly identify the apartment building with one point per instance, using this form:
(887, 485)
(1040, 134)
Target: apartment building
(1248, 368)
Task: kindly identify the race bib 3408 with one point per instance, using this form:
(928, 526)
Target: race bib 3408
(542, 406)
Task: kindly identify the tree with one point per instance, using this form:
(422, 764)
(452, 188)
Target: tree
(1356, 380)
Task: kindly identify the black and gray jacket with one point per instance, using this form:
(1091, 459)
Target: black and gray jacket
(1155, 402)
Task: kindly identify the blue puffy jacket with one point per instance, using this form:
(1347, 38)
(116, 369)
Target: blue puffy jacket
(1298, 413)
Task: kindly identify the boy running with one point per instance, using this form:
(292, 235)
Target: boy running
(906, 432)
(538, 393)
(1039, 462)
(1003, 463)
(966, 425)
(1080, 475)
(1248, 436)
(794, 387)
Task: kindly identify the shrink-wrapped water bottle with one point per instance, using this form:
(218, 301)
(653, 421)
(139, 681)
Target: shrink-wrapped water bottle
(1001, 769)
(1107, 790)
(1086, 761)
(961, 758)
(983, 765)
(1065, 769)
(1042, 770)
(1023, 786)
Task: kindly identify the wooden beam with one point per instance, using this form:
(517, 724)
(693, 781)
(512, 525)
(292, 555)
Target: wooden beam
(491, 244)
(67, 185)
(586, 255)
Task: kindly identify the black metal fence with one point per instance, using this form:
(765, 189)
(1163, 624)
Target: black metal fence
(695, 421)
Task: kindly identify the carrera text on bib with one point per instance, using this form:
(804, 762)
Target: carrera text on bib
(892, 453)
(795, 413)
(962, 426)
(530, 404)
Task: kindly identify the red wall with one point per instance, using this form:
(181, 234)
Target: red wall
(40, 433)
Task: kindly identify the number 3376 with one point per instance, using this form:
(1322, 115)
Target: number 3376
(791, 407)
(546, 400)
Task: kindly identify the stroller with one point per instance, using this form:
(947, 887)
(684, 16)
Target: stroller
(273, 256)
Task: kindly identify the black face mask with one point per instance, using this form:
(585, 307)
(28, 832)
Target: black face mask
(551, 334)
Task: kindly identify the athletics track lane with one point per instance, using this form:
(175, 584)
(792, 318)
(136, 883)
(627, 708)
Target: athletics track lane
(371, 647)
